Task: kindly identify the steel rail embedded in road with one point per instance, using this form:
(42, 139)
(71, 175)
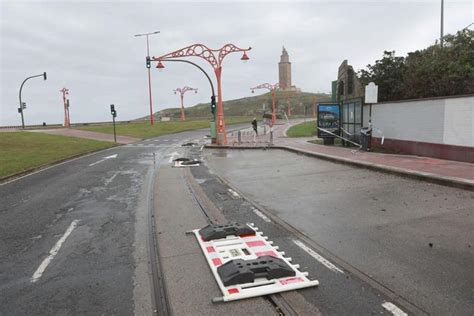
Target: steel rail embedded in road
(160, 301)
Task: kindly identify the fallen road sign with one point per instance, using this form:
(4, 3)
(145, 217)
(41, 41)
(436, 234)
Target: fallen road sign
(249, 265)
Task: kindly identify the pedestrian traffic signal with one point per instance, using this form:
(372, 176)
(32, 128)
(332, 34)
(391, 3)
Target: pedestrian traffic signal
(148, 65)
(19, 110)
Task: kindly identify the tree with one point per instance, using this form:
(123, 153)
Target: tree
(387, 73)
(434, 71)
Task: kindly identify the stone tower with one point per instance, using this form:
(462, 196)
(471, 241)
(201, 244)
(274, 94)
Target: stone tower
(284, 70)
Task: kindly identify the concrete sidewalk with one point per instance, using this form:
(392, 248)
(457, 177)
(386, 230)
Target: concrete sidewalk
(86, 134)
(447, 172)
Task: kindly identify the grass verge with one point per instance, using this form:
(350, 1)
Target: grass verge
(22, 151)
(307, 129)
(145, 130)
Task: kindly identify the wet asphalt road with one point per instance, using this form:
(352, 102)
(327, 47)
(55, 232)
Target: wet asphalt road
(95, 268)
(415, 238)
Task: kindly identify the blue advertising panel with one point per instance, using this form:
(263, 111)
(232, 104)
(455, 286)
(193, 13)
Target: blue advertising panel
(328, 119)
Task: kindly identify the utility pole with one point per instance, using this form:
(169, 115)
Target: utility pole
(442, 22)
(148, 66)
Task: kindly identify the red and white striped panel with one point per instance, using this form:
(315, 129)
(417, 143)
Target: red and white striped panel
(219, 251)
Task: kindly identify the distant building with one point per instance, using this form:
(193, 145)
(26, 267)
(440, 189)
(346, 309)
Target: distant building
(284, 72)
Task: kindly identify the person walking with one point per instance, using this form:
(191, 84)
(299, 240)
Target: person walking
(254, 125)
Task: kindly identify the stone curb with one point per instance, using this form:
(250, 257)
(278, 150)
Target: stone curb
(419, 175)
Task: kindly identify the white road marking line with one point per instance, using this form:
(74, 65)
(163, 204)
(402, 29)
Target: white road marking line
(108, 181)
(261, 215)
(201, 148)
(317, 256)
(234, 194)
(104, 159)
(53, 252)
(392, 308)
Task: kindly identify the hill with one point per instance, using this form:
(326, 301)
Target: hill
(252, 106)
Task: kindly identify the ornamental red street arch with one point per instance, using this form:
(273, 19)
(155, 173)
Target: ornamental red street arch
(273, 89)
(181, 92)
(214, 57)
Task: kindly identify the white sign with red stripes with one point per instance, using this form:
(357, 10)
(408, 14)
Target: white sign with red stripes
(220, 251)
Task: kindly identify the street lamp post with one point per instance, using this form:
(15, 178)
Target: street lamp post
(181, 92)
(148, 66)
(65, 93)
(272, 89)
(214, 57)
(21, 108)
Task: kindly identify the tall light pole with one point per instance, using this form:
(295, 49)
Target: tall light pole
(272, 89)
(442, 22)
(214, 57)
(181, 92)
(65, 93)
(148, 66)
(22, 106)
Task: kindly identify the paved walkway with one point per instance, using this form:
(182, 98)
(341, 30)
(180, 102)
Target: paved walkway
(87, 134)
(438, 170)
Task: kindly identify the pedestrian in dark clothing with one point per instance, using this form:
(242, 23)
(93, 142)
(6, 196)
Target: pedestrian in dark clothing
(254, 124)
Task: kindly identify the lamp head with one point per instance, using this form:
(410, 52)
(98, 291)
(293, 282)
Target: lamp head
(244, 57)
(160, 66)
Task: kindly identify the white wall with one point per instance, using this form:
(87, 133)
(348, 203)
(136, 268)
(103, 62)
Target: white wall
(459, 122)
(447, 121)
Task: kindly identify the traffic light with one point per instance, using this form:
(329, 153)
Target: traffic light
(213, 104)
(23, 105)
(112, 110)
(44, 75)
(148, 64)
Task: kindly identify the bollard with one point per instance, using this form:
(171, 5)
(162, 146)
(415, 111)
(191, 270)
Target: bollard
(271, 137)
(238, 137)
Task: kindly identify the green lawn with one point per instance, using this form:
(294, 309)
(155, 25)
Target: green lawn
(145, 130)
(307, 129)
(21, 151)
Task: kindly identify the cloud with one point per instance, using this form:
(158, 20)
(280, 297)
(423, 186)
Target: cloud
(88, 46)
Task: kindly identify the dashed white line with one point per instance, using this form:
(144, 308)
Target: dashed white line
(234, 194)
(104, 159)
(109, 180)
(53, 252)
(392, 308)
(261, 215)
(318, 257)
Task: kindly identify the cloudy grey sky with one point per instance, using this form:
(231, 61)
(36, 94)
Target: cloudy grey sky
(88, 47)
